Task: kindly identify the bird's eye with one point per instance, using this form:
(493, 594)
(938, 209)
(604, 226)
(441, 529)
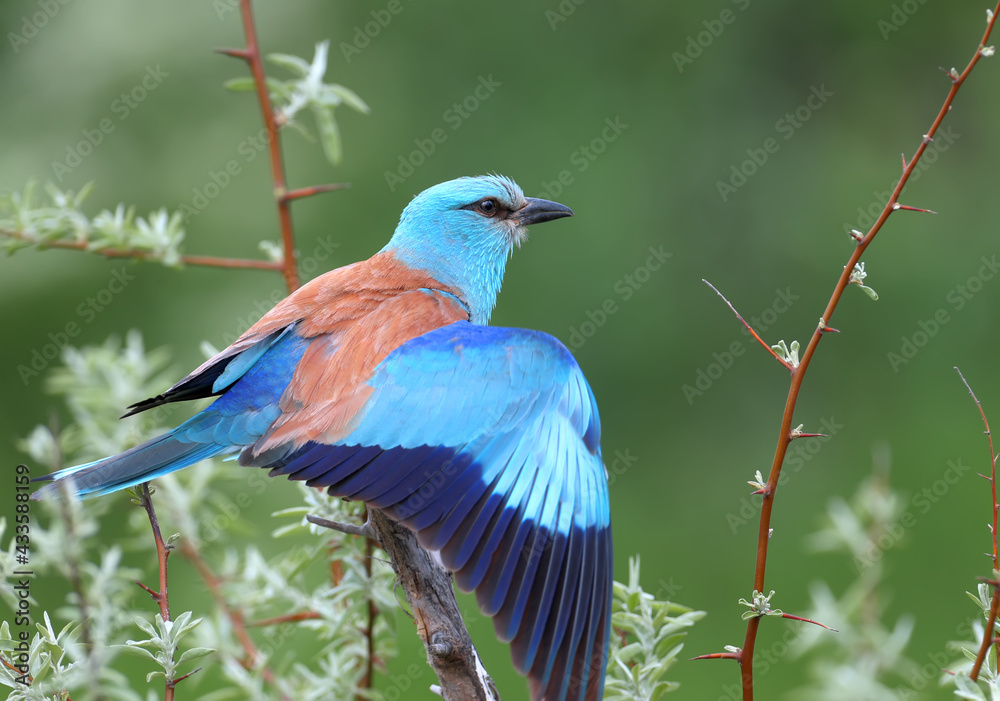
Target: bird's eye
(489, 207)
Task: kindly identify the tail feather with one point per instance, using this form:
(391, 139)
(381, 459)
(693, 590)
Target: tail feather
(152, 459)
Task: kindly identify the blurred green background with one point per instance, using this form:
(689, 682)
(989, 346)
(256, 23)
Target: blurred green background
(562, 70)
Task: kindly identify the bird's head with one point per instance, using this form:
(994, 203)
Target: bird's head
(462, 232)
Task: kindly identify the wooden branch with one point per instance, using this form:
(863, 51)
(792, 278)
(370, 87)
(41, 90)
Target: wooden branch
(988, 638)
(135, 254)
(768, 493)
(431, 596)
(251, 54)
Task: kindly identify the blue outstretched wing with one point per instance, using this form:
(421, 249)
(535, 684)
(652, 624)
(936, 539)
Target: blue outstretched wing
(485, 441)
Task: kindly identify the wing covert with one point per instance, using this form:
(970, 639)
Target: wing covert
(485, 441)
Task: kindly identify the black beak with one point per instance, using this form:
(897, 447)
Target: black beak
(537, 211)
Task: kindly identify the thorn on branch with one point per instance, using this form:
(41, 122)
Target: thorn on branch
(719, 656)
(897, 206)
(301, 192)
(181, 678)
(148, 590)
(823, 328)
(796, 433)
(808, 620)
(241, 54)
(748, 327)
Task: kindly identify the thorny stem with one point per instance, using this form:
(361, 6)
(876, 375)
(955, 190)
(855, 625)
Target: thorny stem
(788, 366)
(210, 261)
(251, 54)
(798, 374)
(161, 597)
(995, 605)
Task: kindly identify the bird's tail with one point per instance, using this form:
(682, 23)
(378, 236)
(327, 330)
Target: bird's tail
(154, 458)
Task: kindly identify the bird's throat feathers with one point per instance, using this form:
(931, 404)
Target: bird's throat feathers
(440, 233)
(475, 274)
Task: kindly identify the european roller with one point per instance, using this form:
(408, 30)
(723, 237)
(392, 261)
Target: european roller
(382, 382)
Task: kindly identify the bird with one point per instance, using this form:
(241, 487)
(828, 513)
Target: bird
(383, 382)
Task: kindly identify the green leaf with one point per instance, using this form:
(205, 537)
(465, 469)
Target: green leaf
(329, 134)
(350, 98)
(194, 653)
(293, 64)
(240, 84)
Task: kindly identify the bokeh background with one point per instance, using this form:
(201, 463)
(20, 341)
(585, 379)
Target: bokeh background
(562, 69)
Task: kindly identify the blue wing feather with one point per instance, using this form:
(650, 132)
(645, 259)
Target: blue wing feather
(486, 441)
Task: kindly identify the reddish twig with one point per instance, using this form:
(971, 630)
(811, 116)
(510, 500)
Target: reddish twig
(788, 366)
(745, 657)
(993, 465)
(283, 197)
(808, 620)
(161, 597)
(995, 605)
(17, 672)
(718, 656)
(290, 618)
(210, 261)
(310, 191)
